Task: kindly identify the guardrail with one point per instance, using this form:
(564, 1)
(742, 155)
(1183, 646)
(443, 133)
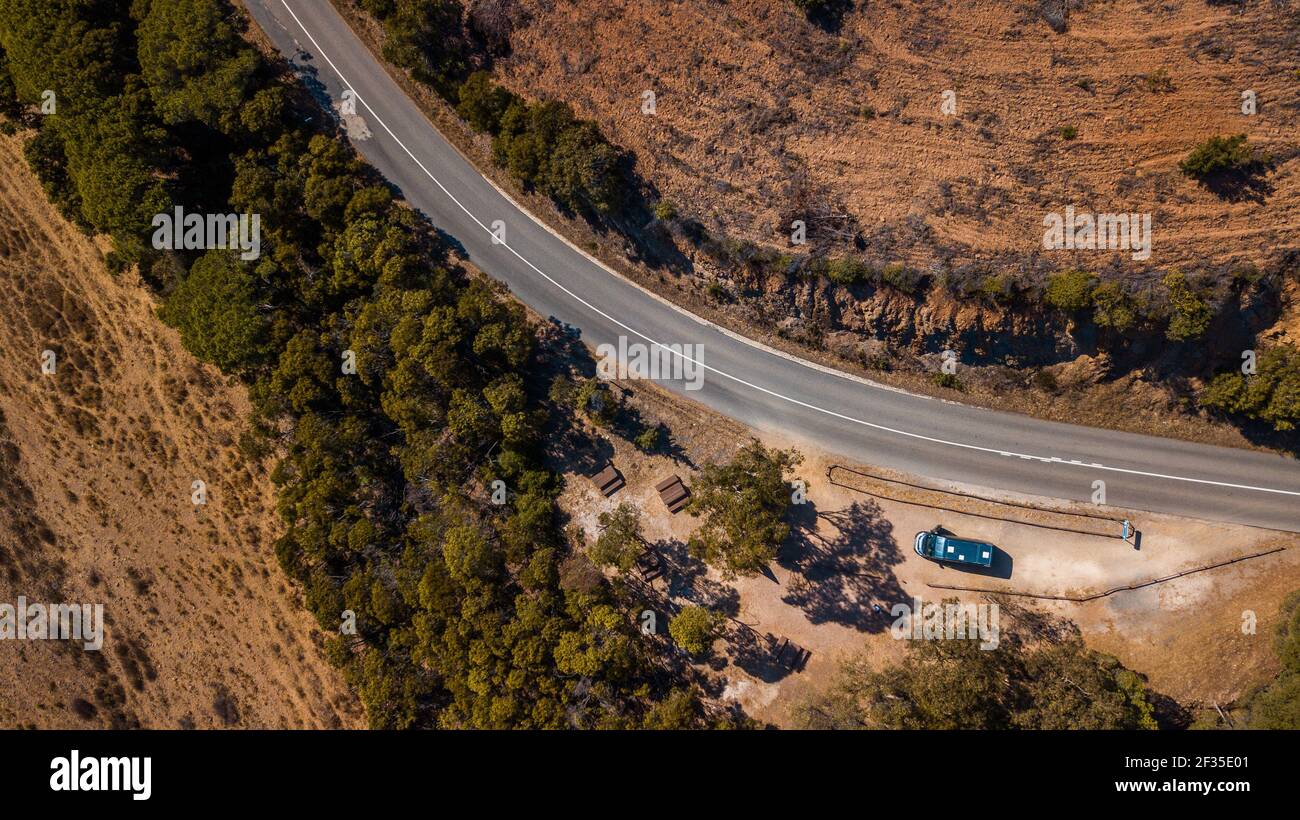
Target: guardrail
(1120, 528)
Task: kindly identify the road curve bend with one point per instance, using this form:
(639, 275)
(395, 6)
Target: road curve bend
(753, 384)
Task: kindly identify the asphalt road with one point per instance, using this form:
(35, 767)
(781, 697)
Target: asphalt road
(754, 385)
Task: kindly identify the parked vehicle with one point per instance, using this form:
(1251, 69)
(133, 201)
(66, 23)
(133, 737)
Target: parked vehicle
(950, 549)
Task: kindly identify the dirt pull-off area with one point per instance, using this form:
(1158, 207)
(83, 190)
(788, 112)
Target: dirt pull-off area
(97, 464)
(1201, 639)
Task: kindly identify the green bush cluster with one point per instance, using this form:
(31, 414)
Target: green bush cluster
(1075, 291)
(427, 38)
(1070, 290)
(1050, 684)
(848, 270)
(1189, 312)
(1271, 394)
(542, 144)
(1276, 705)
(1217, 154)
(546, 147)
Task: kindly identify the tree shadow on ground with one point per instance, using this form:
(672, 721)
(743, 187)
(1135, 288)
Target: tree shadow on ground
(838, 578)
(573, 449)
(828, 15)
(686, 578)
(755, 653)
(629, 423)
(1246, 184)
(1265, 434)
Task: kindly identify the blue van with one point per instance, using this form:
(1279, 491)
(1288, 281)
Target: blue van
(938, 547)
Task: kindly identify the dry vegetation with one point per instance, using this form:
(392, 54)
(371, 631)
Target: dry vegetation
(96, 465)
(761, 114)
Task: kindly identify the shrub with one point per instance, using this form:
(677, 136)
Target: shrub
(483, 103)
(947, 380)
(1272, 394)
(902, 278)
(694, 628)
(596, 400)
(1070, 290)
(1069, 132)
(1159, 81)
(650, 439)
(1189, 316)
(997, 288)
(665, 211)
(1112, 307)
(1217, 154)
(844, 270)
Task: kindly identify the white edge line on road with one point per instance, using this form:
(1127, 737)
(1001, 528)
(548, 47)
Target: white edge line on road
(752, 386)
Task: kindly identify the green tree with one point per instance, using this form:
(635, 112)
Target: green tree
(743, 503)
(1070, 290)
(545, 146)
(619, 543)
(1189, 314)
(1272, 394)
(426, 37)
(1113, 307)
(1217, 154)
(215, 310)
(583, 172)
(482, 103)
(694, 628)
(195, 64)
(650, 439)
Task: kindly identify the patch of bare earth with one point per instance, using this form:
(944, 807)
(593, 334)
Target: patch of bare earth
(750, 98)
(97, 464)
(850, 560)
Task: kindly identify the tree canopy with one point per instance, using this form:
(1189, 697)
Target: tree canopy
(956, 684)
(1271, 394)
(743, 503)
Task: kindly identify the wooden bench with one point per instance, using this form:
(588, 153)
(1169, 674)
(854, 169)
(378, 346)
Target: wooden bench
(673, 493)
(649, 565)
(608, 480)
(792, 656)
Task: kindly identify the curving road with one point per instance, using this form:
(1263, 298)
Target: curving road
(743, 380)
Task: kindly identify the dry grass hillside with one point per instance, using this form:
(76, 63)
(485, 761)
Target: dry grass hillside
(96, 466)
(762, 117)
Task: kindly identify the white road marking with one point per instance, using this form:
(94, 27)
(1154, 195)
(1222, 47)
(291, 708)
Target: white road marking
(726, 375)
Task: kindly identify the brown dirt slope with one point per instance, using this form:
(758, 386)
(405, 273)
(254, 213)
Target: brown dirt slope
(758, 110)
(96, 466)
